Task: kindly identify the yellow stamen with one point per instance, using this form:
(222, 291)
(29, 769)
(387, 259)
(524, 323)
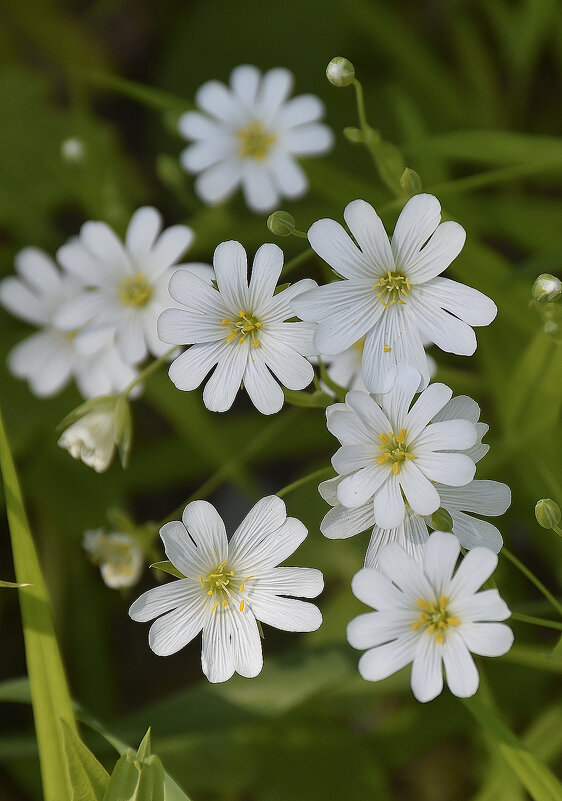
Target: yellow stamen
(255, 141)
(435, 618)
(135, 290)
(242, 605)
(386, 348)
(214, 607)
(224, 603)
(392, 286)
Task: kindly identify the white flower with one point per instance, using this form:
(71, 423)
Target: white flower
(490, 498)
(119, 556)
(249, 135)
(427, 616)
(126, 284)
(95, 428)
(240, 328)
(50, 358)
(229, 585)
(391, 453)
(392, 292)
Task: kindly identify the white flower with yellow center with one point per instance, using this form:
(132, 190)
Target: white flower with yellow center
(430, 617)
(240, 328)
(392, 292)
(51, 357)
(392, 454)
(126, 284)
(250, 134)
(479, 497)
(229, 586)
(119, 556)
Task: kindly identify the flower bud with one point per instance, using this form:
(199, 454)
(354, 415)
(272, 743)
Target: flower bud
(72, 150)
(410, 182)
(547, 513)
(139, 776)
(119, 556)
(547, 288)
(94, 429)
(354, 135)
(281, 223)
(340, 71)
(441, 520)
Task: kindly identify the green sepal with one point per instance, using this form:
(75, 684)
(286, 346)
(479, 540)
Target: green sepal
(145, 748)
(123, 781)
(123, 429)
(281, 287)
(88, 778)
(339, 391)
(318, 399)
(85, 408)
(151, 781)
(168, 567)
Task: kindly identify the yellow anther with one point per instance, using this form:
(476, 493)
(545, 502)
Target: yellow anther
(210, 592)
(232, 336)
(435, 618)
(392, 286)
(242, 587)
(453, 621)
(394, 449)
(201, 580)
(242, 605)
(226, 321)
(395, 468)
(384, 439)
(135, 290)
(214, 607)
(255, 141)
(224, 603)
(423, 604)
(386, 348)
(439, 638)
(222, 564)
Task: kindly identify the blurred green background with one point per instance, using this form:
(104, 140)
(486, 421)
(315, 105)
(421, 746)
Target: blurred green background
(470, 92)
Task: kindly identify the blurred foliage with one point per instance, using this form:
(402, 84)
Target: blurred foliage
(469, 91)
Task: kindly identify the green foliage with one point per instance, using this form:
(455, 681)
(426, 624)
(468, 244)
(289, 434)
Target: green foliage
(88, 779)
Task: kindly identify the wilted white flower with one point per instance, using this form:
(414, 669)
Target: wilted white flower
(489, 498)
(392, 293)
(50, 358)
(430, 617)
(228, 586)
(93, 430)
(118, 555)
(240, 328)
(250, 134)
(126, 285)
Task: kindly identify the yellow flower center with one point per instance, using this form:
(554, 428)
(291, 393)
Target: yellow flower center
(135, 290)
(435, 617)
(243, 326)
(222, 587)
(394, 449)
(255, 141)
(393, 288)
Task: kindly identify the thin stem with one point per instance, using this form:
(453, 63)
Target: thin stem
(297, 261)
(557, 529)
(148, 370)
(364, 125)
(300, 482)
(253, 447)
(531, 576)
(536, 621)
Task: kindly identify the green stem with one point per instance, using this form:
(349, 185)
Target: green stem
(148, 370)
(557, 529)
(361, 113)
(300, 482)
(253, 447)
(297, 261)
(532, 578)
(536, 621)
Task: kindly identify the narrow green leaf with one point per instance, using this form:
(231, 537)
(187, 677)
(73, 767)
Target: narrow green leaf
(88, 778)
(49, 690)
(151, 781)
(537, 778)
(123, 780)
(145, 748)
(12, 584)
(168, 567)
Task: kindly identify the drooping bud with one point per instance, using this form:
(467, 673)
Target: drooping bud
(547, 288)
(281, 223)
(92, 431)
(410, 182)
(340, 71)
(441, 520)
(119, 556)
(547, 513)
(354, 135)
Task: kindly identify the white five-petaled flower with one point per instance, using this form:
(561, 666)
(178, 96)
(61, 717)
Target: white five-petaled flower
(119, 555)
(239, 327)
(430, 617)
(483, 497)
(125, 285)
(392, 292)
(391, 453)
(229, 585)
(250, 135)
(49, 358)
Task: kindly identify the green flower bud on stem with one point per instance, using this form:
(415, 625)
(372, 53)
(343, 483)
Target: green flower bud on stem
(547, 288)
(410, 182)
(547, 513)
(441, 520)
(354, 135)
(340, 71)
(281, 223)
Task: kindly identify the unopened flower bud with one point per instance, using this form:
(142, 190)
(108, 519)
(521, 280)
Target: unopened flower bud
(410, 182)
(94, 429)
(547, 513)
(72, 149)
(281, 223)
(441, 520)
(547, 288)
(354, 135)
(139, 776)
(340, 71)
(119, 556)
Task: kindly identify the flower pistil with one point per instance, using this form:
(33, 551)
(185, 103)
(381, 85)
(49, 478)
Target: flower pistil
(255, 141)
(135, 290)
(394, 449)
(246, 324)
(394, 288)
(435, 616)
(218, 585)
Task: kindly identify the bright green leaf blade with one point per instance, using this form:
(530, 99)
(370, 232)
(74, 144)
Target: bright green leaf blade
(538, 779)
(49, 690)
(168, 567)
(13, 584)
(88, 778)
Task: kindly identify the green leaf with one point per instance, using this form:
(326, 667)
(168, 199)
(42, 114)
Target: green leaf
(49, 691)
(88, 778)
(537, 778)
(12, 584)
(168, 567)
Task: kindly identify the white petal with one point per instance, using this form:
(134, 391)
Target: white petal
(170, 245)
(328, 489)
(303, 582)
(248, 657)
(389, 504)
(79, 311)
(259, 190)
(182, 551)
(22, 303)
(218, 101)
(245, 80)
(197, 294)
(411, 535)
(231, 271)
(461, 407)
(456, 469)
(444, 246)
(419, 491)
(376, 628)
(263, 390)
(469, 304)
(265, 517)
(480, 608)
(206, 528)
(348, 427)
(293, 370)
(476, 567)
(189, 369)
(446, 331)
(447, 435)
(130, 339)
(440, 555)
(38, 270)
(427, 405)
(487, 639)
(179, 327)
(81, 264)
(275, 87)
(375, 589)
(310, 139)
(173, 631)
(43, 362)
(105, 245)
(266, 269)
(483, 497)
(349, 458)
(368, 230)
(296, 335)
(345, 313)
(357, 489)
(397, 401)
(404, 572)
(393, 342)
(159, 600)
(473, 532)
(271, 548)
(417, 221)
(381, 662)
(207, 152)
(369, 412)
(219, 181)
(340, 523)
(333, 244)
(286, 614)
(224, 384)
(427, 678)
(299, 110)
(142, 231)
(288, 176)
(462, 676)
(194, 125)
(217, 651)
